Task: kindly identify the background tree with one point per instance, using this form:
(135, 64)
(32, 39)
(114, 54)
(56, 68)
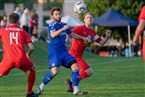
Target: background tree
(27, 3)
(129, 8)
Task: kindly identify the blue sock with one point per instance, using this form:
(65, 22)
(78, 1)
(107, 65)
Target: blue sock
(48, 77)
(75, 77)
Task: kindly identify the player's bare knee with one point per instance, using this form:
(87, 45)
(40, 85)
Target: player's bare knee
(33, 68)
(90, 71)
(74, 67)
(55, 70)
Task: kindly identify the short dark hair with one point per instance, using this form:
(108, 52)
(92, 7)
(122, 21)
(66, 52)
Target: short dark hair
(13, 18)
(55, 9)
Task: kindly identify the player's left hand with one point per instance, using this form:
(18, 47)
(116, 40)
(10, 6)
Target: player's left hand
(27, 55)
(136, 39)
(65, 27)
(87, 39)
(108, 33)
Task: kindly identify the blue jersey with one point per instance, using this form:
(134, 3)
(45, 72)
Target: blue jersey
(57, 52)
(57, 43)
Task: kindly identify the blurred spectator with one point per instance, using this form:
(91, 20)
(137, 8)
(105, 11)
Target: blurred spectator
(31, 24)
(121, 47)
(134, 48)
(112, 42)
(36, 18)
(112, 45)
(4, 21)
(17, 10)
(24, 21)
(36, 34)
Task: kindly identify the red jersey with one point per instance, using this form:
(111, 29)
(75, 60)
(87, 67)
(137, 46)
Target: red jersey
(32, 22)
(13, 43)
(142, 14)
(77, 47)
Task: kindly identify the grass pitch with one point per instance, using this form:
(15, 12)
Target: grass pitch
(113, 77)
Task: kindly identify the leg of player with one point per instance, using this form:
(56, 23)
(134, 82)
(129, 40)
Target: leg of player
(76, 79)
(1, 76)
(83, 75)
(143, 50)
(87, 73)
(47, 78)
(31, 81)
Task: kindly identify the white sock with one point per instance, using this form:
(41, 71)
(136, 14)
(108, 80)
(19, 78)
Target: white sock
(76, 89)
(41, 86)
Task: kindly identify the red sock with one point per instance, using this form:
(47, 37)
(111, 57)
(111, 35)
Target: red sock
(83, 75)
(31, 81)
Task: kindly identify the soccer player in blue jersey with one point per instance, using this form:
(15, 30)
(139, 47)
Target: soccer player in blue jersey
(58, 54)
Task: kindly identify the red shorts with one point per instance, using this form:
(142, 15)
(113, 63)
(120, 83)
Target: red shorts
(143, 49)
(6, 66)
(82, 64)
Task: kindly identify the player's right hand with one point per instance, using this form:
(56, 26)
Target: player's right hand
(86, 39)
(65, 27)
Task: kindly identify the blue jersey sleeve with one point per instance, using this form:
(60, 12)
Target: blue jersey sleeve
(51, 28)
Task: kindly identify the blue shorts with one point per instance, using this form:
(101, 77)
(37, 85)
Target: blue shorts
(57, 59)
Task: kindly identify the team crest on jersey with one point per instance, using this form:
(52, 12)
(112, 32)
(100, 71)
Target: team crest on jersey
(53, 64)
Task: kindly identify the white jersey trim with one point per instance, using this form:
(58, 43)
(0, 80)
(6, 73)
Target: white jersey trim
(95, 37)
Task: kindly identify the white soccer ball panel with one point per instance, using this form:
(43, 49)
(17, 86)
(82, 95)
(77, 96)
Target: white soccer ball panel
(79, 7)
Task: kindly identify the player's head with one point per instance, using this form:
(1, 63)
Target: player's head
(56, 14)
(17, 8)
(13, 18)
(4, 17)
(88, 18)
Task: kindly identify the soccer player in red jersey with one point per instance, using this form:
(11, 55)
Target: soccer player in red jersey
(78, 46)
(140, 29)
(13, 42)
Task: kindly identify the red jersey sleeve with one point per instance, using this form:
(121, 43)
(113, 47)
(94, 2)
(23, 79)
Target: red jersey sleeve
(27, 37)
(142, 14)
(76, 30)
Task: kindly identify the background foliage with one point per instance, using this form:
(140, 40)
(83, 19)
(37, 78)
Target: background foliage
(129, 8)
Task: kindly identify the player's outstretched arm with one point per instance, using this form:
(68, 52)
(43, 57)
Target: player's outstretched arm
(80, 37)
(108, 33)
(139, 30)
(56, 33)
(31, 49)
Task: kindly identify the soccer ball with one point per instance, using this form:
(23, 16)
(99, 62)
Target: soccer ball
(79, 7)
